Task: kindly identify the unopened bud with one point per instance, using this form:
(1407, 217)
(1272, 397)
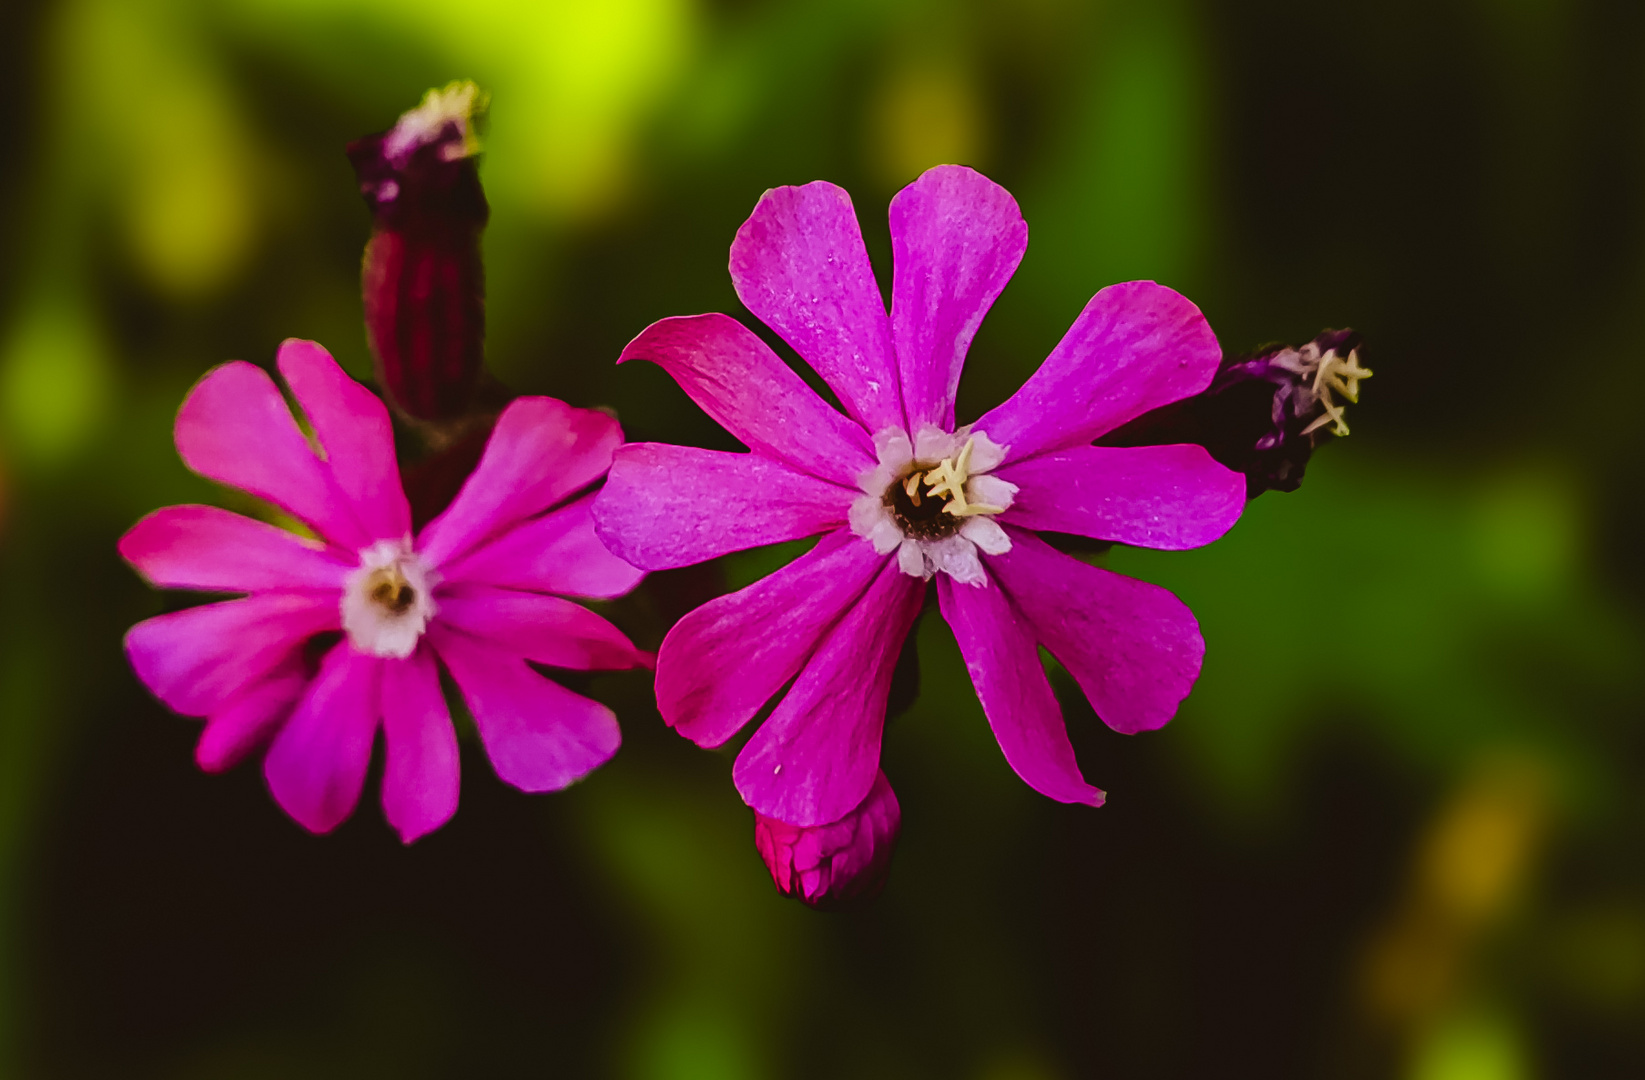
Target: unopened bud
(829, 866)
(422, 280)
(1264, 414)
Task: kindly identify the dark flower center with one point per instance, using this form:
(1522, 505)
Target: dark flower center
(388, 588)
(920, 514)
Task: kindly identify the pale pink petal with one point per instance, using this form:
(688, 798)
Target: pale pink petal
(555, 553)
(799, 265)
(1005, 667)
(539, 735)
(198, 659)
(251, 717)
(725, 660)
(1136, 346)
(420, 761)
(235, 428)
(541, 451)
(665, 506)
(1134, 648)
(205, 548)
(956, 239)
(317, 763)
(746, 389)
(816, 757)
(352, 426)
(1171, 497)
(545, 629)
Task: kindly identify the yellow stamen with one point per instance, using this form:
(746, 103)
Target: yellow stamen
(949, 478)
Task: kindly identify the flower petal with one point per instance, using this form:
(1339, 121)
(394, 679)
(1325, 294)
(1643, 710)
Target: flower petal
(1134, 648)
(1016, 697)
(235, 428)
(1136, 346)
(723, 661)
(665, 506)
(831, 865)
(818, 753)
(1171, 497)
(207, 548)
(545, 629)
(540, 451)
(815, 759)
(199, 659)
(555, 553)
(539, 735)
(736, 379)
(956, 239)
(420, 759)
(250, 717)
(799, 265)
(352, 426)
(317, 764)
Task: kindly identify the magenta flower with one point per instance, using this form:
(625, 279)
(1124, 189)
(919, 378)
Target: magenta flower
(899, 494)
(473, 589)
(831, 865)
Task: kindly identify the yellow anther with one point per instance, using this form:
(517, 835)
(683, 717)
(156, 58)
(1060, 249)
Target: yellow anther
(911, 487)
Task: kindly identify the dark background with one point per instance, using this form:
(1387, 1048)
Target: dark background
(1397, 830)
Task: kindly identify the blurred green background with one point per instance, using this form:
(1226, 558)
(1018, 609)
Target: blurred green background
(1397, 831)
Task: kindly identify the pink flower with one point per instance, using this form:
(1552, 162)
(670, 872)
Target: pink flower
(831, 865)
(473, 589)
(899, 494)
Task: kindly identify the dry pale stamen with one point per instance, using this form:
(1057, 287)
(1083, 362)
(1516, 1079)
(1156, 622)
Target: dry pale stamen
(1336, 374)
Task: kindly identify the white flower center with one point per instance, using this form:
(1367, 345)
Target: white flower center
(932, 501)
(389, 600)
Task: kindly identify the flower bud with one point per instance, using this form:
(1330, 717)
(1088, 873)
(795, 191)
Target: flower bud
(830, 866)
(1263, 414)
(422, 280)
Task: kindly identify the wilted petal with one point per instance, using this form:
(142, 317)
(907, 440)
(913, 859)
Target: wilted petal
(665, 506)
(1134, 648)
(799, 265)
(234, 428)
(541, 451)
(352, 426)
(1005, 667)
(816, 757)
(723, 661)
(1136, 346)
(539, 735)
(545, 629)
(749, 391)
(1171, 497)
(198, 659)
(208, 549)
(317, 763)
(956, 239)
(420, 760)
(831, 865)
(555, 553)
